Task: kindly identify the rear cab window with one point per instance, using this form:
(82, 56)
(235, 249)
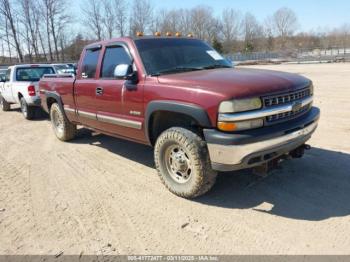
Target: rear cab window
(113, 56)
(89, 64)
(32, 74)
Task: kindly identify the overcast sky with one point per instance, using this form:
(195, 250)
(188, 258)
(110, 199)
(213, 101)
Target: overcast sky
(312, 14)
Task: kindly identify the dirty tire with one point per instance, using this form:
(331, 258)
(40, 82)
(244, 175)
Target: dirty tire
(201, 178)
(64, 130)
(4, 105)
(27, 111)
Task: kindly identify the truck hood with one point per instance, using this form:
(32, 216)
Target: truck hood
(237, 83)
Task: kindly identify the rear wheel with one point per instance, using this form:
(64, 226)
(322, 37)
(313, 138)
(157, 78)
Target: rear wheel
(183, 163)
(64, 130)
(27, 111)
(4, 105)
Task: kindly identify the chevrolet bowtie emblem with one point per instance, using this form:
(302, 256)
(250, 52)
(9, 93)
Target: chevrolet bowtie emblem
(296, 106)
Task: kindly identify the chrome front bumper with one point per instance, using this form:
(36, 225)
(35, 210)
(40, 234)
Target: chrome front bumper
(240, 156)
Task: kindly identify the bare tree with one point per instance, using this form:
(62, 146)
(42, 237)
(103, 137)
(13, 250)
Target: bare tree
(141, 16)
(30, 20)
(286, 23)
(166, 21)
(185, 21)
(199, 16)
(109, 18)
(231, 27)
(345, 36)
(268, 28)
(7, 35)
(253, 32)
(231, 24)
(8, 13)
(121, 16)
(54, 13)
(94, 18)
(58, 19)
(202, 22)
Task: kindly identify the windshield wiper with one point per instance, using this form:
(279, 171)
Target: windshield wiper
(216, 66)
(177, 69)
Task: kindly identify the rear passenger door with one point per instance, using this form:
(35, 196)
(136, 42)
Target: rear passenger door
(85, 87)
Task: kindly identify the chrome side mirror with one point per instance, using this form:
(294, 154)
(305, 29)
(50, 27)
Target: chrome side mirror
(122, 71)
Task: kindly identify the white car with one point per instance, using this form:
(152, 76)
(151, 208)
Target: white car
(63, 69)
(20, 86)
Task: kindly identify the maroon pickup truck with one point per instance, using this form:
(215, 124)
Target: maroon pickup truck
(182, 97)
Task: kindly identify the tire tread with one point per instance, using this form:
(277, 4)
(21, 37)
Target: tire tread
(70, 129)
(198, 149)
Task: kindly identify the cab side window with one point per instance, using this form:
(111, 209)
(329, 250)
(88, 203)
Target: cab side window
(89, 64)
(114, 55)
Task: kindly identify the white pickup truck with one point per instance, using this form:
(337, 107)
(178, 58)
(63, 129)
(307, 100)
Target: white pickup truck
(20, 86)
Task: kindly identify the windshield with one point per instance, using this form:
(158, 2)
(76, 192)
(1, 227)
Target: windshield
(32, 74)
(170, 56)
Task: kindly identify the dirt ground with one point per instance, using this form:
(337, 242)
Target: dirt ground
(101, 195)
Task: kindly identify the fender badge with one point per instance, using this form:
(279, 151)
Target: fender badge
(135, 113)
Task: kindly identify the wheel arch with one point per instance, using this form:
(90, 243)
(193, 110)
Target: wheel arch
(171, 110)
(53, 97)
(19, 96)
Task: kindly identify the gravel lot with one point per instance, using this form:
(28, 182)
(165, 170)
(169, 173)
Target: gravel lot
(101, 195)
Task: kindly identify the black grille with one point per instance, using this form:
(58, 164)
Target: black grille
(285, 98)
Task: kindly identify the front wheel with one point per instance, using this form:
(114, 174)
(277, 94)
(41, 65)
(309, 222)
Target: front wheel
(27, 111)
(64, 130)
(183, 164)
(4, 105)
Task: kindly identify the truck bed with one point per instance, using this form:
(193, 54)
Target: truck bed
(59, 84)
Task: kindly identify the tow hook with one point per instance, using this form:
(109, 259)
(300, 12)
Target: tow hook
(264, 169)
(299, 152)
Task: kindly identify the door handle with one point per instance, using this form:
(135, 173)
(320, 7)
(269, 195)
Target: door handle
(99, 91)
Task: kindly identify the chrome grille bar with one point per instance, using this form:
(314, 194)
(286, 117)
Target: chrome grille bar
(285, 98)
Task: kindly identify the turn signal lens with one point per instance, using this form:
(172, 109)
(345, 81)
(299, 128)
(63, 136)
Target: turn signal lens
(227, 126)
(241, 125)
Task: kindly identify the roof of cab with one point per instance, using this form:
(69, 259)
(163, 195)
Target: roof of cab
(30, 65)
(133, 38)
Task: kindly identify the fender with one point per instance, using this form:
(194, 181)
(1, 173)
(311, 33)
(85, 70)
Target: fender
(54, 95)
(194, 111)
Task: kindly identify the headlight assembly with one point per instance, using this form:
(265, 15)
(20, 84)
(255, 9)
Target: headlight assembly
(240, 105)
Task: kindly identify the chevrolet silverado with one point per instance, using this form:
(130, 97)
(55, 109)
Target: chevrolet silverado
(182, 97)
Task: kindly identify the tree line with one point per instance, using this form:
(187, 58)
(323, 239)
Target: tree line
(46, 30)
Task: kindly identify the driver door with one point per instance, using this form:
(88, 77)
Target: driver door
(114, 96)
